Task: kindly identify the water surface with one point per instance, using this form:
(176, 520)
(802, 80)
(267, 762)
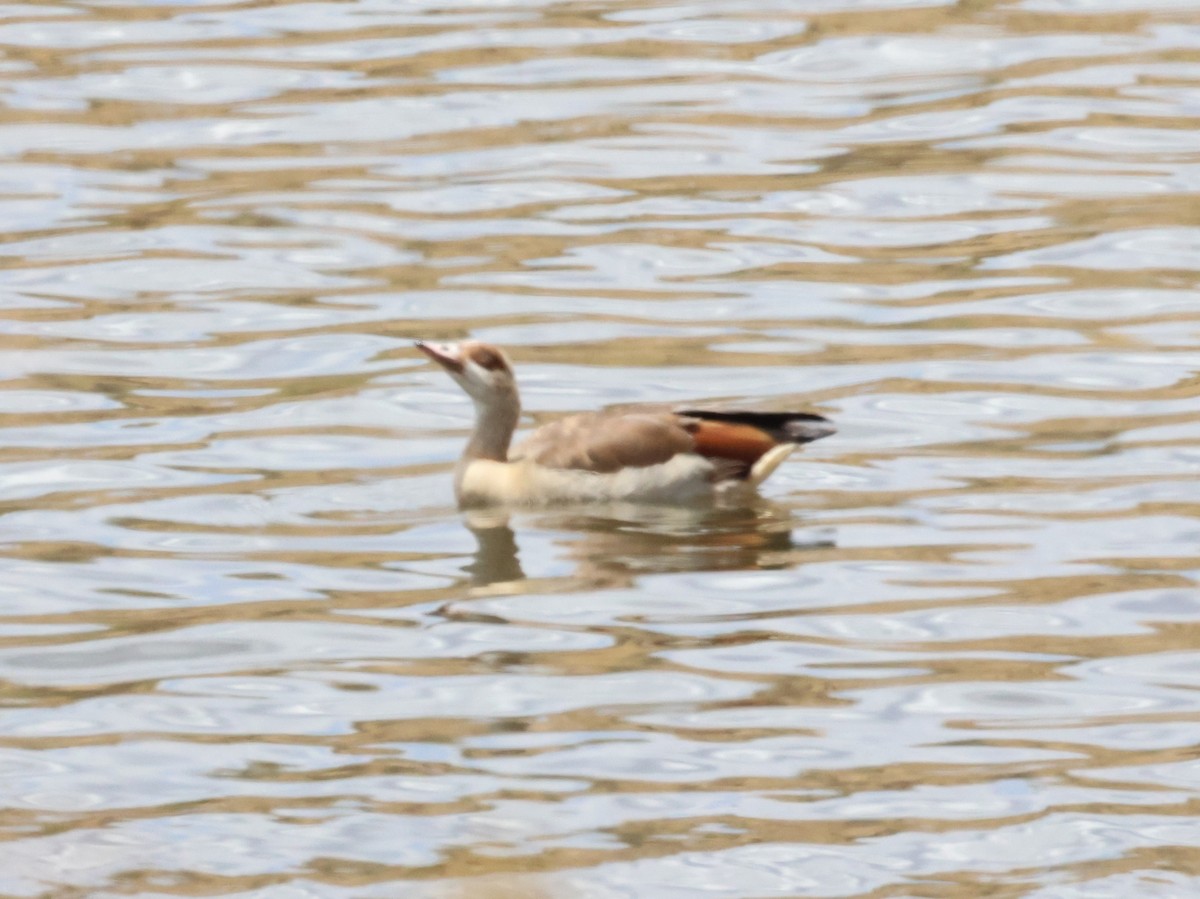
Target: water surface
(249, 649)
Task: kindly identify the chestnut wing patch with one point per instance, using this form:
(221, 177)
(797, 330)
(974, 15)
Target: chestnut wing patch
(736, 439)
(781, 427)
(740, 443)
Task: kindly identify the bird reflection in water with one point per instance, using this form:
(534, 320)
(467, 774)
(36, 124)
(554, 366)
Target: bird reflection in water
(612, 545)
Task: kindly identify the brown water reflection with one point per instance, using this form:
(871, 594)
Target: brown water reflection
(611, 545)
(248, 648)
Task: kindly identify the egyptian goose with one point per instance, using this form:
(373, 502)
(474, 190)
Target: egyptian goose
(649, 454)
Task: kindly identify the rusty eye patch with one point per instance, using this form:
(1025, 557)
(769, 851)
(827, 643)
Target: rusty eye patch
(488, 359)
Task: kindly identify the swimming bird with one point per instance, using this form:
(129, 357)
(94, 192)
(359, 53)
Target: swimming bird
(639, 454)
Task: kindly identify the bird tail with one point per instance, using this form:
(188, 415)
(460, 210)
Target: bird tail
(768, 462)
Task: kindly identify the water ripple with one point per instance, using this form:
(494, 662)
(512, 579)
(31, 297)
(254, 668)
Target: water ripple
(249, 649)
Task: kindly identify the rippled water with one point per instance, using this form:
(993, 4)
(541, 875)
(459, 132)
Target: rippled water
(248, 648)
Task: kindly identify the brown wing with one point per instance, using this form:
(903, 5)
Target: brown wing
(609, 441)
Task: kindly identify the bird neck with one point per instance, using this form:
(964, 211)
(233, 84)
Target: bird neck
(494, 425)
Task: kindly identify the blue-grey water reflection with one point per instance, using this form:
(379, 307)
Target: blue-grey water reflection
(248, 648)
